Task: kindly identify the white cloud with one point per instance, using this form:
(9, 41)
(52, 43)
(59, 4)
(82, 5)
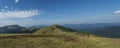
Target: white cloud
(18, 13)
(6, 6)
(117, 12)
(16, 1)
(22, 22)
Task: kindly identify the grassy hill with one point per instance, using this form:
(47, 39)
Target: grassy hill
(53, 30)
(56, 36)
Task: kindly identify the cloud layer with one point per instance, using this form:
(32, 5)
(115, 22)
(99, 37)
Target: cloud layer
(16, 1)
(117, 12)
(22, 22)
(19, 13)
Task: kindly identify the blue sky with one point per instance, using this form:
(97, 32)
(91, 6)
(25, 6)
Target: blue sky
(39, 12)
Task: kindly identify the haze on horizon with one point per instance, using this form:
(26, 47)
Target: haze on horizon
(36, 12)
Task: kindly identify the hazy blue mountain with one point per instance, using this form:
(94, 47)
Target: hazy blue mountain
(37, 26)
(108, 31)
(81, 26)
(101, 29)
(89, 26)
(16, 29)
(11, 29)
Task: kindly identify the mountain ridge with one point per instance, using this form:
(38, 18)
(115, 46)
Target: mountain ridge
(54, 29)
(15, 29)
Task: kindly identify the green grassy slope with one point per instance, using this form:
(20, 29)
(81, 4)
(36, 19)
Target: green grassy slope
(56, 37)
(45, 41)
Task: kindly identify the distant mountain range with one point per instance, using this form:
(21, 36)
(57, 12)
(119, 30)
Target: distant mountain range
(89, 26)
(16, 29)
(80, 27)
(108, 31)
(101, 29)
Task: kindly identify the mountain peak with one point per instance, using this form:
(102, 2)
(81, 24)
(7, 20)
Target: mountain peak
(13, 25)
(55, 26)
(54, 29)
(11, 29)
